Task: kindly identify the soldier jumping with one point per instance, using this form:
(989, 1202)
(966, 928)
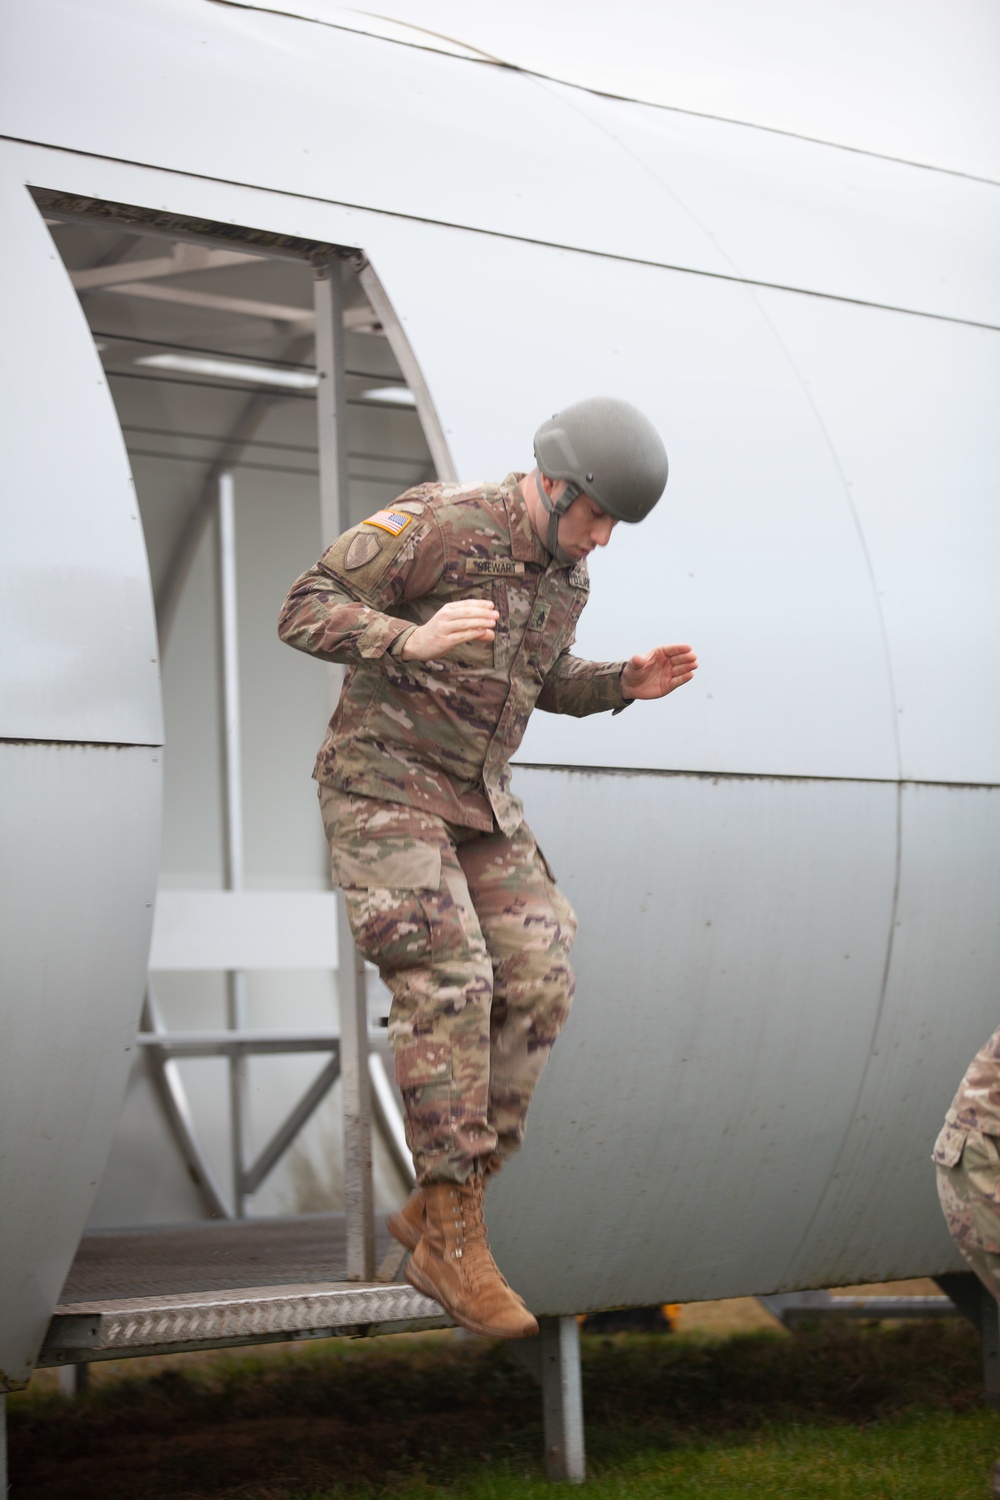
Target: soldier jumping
(454, 612)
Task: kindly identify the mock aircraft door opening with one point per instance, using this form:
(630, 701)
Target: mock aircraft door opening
(209, 347)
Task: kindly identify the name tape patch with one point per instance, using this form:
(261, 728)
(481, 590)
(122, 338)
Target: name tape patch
(496, 567)
(393, 521)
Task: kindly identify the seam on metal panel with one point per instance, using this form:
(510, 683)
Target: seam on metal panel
(805, 779)
(873, 1038)
(858, 528)
(664, 186)
(496, 234)
(487, 59)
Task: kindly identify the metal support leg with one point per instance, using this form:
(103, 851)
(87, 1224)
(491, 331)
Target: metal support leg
(74, 1380)
(989, 1333)
(978, 1304)
(562, 1399)
(3, 1448)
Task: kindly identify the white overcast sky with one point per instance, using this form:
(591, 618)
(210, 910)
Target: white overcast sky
(916, 79)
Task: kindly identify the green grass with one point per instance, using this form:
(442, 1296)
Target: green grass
(930, 1457)
(873, 1413)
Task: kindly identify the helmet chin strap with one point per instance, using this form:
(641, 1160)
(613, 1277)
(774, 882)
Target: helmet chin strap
(556, 510)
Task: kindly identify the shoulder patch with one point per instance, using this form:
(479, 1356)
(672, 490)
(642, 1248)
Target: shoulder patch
(393, 521)
(364, 547)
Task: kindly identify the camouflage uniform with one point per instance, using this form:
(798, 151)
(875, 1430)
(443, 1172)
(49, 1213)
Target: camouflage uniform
(446, 889)
(967, 1153)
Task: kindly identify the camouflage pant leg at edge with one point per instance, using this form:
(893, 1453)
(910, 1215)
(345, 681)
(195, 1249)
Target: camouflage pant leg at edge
(968, 1192)
(529, 928)
(411, 915)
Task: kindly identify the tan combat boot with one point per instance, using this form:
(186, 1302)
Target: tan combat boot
(407, 1224)
(452, 1264)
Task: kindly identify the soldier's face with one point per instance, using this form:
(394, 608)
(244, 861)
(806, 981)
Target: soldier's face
(584, 527)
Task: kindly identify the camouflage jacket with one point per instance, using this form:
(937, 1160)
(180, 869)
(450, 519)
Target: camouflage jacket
(439, 735)
(976, 1106)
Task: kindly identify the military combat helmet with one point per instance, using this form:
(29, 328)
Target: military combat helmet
(608, 450)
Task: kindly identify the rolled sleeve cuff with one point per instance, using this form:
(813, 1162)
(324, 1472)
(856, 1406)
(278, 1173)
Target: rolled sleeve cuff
(623, 702)
(396, 647)
(381, 634)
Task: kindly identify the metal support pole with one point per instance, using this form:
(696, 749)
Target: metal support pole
(989, 1333)
(3, 1448)
(331, 415)
(331, 398)
(74, 1380)
(975, 1302)
(236, 1003)
(562, 1399)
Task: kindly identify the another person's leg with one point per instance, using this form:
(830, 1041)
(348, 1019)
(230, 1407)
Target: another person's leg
(969, 1190)
(968, 1179)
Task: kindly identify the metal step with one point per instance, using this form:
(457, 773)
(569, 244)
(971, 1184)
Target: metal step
(217, 1284)
(128, 1326)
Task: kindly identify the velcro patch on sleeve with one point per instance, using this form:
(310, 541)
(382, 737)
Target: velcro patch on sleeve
(393, 521)
(362, 549)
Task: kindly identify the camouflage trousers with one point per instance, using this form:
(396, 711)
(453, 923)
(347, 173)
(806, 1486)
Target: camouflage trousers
(968, 1177)
(472, 937)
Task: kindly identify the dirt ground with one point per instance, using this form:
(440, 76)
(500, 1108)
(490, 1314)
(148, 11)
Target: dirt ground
(747, 1315)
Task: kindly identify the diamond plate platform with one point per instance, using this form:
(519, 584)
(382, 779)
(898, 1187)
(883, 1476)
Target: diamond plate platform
(202, 1286)
(253, 1315)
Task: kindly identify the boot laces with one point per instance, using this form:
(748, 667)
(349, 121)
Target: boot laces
(475, 1257)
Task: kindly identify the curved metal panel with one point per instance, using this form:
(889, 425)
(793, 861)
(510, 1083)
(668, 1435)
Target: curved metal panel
(922, 476)
(351, 118)
(753, 555)
(358, 120)
(705, 950)
(79, 827)
(79, 652)
(851, 72)
(880, 1210)
(730, 975)
(801, 214)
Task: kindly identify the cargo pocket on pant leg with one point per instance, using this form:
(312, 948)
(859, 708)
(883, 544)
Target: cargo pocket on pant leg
(949, 1146)
(424, 1076)
(382, 885)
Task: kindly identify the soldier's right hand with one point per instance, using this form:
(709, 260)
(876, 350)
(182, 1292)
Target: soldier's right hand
(454, 624)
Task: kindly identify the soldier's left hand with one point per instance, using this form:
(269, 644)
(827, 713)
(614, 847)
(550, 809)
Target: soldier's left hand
(658, 672)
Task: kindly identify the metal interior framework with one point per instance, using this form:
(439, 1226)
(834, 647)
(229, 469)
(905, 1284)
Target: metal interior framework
(214, 356)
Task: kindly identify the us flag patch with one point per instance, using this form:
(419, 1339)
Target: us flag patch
(393, 521)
